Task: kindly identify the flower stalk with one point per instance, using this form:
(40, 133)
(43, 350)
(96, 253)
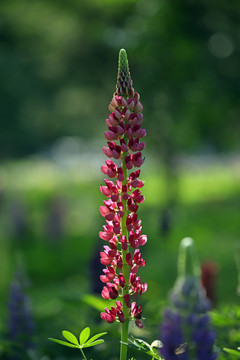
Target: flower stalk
(125, 269)
(122, 232)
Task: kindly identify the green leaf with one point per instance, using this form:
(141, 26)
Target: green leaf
(143, 346)
(83, 337)
(70, 337)
(143, 343)
(95, 337)
(97, 302)
(100, 341)
(232, 352)
(63, 343)
(154, 355)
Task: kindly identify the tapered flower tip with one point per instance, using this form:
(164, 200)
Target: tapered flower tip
(124, 81)
(188, 264)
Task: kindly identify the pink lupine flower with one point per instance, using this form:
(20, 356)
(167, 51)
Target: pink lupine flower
(122, 231)
(110, 291)
(110, 315)
(109, 274)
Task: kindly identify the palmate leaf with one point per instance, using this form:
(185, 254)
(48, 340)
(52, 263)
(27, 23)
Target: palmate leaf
(61, 342)
(84, 335)
(70, 337)
(233, 352)
(85, 342)
(100, 341)
(139, 344)
(143, 346)
(95, 337)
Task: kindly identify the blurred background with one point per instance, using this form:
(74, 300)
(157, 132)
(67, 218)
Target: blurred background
(58, 65)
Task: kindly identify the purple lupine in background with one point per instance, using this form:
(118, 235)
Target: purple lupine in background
(186, 330)
(123, 230)
(172, 336)
(21, 323)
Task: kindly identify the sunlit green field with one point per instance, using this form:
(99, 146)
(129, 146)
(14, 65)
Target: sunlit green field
(60, 268)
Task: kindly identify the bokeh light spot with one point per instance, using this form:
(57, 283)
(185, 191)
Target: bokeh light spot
(220, 45)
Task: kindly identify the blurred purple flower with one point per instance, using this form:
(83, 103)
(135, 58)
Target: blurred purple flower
(21, 323)
(172, 336)
(186, 330)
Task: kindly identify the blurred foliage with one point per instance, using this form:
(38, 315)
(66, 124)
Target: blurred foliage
(227, 324)
(63, 265)
(59, 59)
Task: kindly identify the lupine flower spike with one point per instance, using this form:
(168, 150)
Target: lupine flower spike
(123, 230)
(186, 332)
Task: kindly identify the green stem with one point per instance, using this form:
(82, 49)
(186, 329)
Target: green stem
(125, 270)
(124, 337)
(83, 354)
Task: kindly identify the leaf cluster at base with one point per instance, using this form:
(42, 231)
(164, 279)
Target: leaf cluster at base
(84, 340)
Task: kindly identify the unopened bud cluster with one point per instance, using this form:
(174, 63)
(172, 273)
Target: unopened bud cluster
(123, 230)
